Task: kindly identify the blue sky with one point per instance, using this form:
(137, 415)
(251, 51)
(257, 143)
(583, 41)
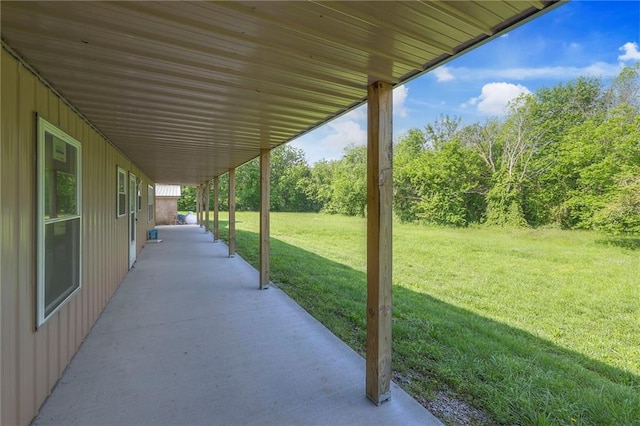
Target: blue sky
(580, 38)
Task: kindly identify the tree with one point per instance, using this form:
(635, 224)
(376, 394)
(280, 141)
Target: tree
(603, 156)
(554, 112)
(319, 185)
(288, 192)
(248, 186)
(223, 193)
(438, 180)
(407, 151)
(187, 201)
(441, 131)
(625, 90)
(485, 141)
(290, 174)
(349, 183)
(520, 141)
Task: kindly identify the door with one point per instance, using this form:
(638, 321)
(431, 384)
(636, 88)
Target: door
(133, 202)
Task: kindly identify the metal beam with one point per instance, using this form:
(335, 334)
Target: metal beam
(379, 237)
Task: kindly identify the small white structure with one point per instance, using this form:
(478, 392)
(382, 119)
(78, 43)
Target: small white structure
(167, 204)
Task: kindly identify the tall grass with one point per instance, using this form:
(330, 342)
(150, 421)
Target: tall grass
(530, 326)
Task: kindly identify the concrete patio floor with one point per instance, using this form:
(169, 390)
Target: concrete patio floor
(189, 339)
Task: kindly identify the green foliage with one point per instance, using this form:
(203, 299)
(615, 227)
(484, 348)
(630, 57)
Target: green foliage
(248, 186)
(625, 90)
(565, 156)
(288, 183)
(504, 203)
(223, 192)
(562, 156)
(187, 201)
(407, 150)
(318, 186)
(604, 155)
(348, 193)
(441, 185)
(622, 214)
(556, 111)
(290, 175)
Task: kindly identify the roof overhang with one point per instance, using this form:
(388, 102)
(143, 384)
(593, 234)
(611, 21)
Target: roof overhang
(189, 90)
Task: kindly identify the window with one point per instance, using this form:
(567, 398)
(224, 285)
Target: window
(59, 219)
(151, 202)
(121, 201)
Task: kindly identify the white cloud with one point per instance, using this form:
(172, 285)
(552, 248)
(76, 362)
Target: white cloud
(494, 97)
(400, 94)
(443, 73)
(560, 73)
(631, 52)
(343, 133)
(357, 114)
(329, 141)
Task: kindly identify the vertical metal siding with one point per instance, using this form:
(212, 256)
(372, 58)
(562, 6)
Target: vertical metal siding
(32, 361)
(26, 292)
(9, 256)
(42, 365)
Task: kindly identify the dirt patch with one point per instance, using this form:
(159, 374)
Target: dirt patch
(450, 410)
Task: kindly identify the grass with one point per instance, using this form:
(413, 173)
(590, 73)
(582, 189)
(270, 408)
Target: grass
(530, 326)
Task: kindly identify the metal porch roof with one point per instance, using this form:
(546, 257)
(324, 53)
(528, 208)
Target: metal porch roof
(189, 89)
(168, 190)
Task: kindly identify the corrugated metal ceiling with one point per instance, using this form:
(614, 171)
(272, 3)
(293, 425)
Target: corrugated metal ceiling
(188, 90)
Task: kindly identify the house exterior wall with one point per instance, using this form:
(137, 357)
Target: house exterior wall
(166, 210)
(32, 361)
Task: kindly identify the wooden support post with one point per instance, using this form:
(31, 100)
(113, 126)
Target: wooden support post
(198, 205)
(201, 206)
(207, 195)
(265, 177)
(379, 236)
(232, 212)
(216, 208)
(197, 197)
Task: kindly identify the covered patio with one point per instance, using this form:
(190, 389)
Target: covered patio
(146, 93)
(186, 339)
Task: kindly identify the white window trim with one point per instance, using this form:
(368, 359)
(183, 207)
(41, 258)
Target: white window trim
(122, 172)
(139, 199)
(45, 126)
(151, 203)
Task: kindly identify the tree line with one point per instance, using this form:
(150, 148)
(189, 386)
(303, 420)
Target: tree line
(567, 156)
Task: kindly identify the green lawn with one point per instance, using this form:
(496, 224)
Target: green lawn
(530, 326)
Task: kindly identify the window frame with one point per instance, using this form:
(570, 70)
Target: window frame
(44, 127)
(121, 208)
(139, 189)
(151, 203)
